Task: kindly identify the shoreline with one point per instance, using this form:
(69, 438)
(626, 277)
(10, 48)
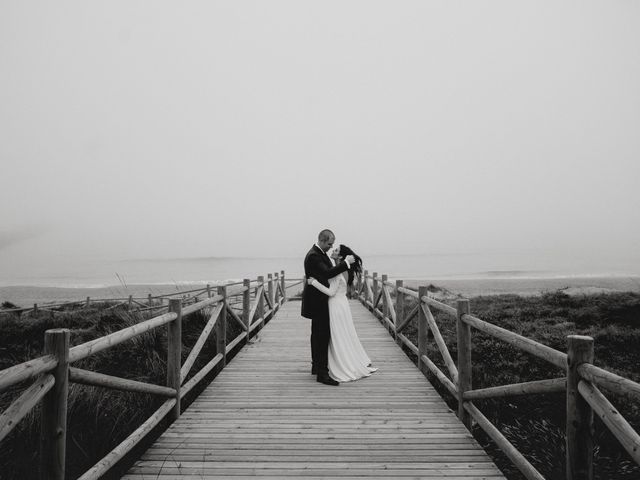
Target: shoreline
(27, 295)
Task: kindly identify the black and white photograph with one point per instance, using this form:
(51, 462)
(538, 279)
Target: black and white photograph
(351, 240)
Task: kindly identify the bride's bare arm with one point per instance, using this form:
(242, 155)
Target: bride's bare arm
(330, 292)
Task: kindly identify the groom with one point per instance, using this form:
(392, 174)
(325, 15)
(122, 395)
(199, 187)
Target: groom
(315, 304)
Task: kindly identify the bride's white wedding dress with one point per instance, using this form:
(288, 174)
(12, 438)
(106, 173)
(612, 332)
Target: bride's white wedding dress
(347, 359)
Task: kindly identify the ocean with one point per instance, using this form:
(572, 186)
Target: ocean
(468, 275)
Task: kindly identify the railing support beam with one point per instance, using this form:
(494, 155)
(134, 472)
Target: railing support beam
(54, 408)
(246, 303)
(174, 354)
(385, 304)
(221, 327)
(260, 299)
(423, 331)
(375, 292)
(464, 360)
(399, 309)
(270, 289)
(579, 428)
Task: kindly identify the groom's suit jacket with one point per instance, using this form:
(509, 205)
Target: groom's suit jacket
(317, 264)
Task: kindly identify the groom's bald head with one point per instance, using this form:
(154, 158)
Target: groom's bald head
(326, 239)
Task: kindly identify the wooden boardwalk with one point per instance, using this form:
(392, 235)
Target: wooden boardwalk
(266, 416)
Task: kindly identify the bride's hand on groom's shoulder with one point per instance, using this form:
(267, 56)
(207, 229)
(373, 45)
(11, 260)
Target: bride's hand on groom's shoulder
(350, 259)
(310, 280)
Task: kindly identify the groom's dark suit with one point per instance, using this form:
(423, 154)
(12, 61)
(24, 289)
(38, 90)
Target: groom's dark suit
(315, 305)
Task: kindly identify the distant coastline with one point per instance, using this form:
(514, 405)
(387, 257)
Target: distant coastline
(466, 286)
(465, 274)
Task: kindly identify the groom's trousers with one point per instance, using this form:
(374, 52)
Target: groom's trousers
(320, 337)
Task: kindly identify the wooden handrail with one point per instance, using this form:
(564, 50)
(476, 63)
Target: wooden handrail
(538, 386)
(21, 406)
(610, 381)
(582, 375)
(26, 371)
(616, 423)
(439, 306)
(200, 305)
(408, 291)
(86, 377)
(53, 386)
(94, 346)
(544, 352)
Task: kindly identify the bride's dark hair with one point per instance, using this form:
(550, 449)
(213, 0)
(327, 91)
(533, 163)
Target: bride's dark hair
(356, 268)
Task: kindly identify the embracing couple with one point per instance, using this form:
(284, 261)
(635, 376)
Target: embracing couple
(336, 352)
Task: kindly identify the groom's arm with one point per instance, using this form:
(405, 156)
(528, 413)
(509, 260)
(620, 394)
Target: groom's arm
(321, 271)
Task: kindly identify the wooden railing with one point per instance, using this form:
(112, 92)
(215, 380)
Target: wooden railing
(582, 382)
(52, 372)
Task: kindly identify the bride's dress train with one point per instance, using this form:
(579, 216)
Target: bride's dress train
(347, 359)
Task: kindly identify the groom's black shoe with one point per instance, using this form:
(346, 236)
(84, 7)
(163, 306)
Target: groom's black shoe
(327, 380)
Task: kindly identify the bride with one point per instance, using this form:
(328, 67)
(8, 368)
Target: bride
(347, 359)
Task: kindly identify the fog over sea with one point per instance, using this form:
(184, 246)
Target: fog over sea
(471, 274)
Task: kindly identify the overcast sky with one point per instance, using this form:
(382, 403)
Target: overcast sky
(136, 129)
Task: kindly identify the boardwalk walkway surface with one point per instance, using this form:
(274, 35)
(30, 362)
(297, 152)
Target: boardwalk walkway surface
(266, 416)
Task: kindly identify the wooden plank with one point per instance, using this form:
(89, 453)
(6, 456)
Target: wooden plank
(265, 416)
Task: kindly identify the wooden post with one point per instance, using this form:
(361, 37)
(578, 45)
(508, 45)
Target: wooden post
(271, 292)
(130, 304)
(208, 291)
(282, 284)
(579, 429)
(149, 300)
(385, 306)
(399, 309)
(221, 326)
(174, 353)
(464, 360)
(246, 303)
(88, 302)
(277, 298)
(375, 292)
(35, 308)
(364, 290)
(423, 329)
(54, 408)
(260, 300)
